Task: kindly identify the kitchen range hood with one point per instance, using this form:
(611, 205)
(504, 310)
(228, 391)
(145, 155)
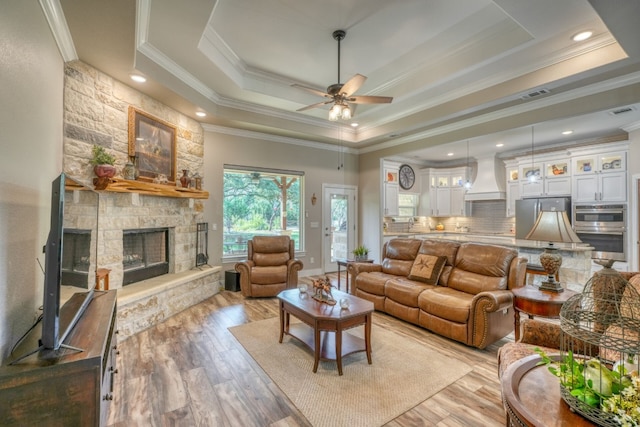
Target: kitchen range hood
(490, 181)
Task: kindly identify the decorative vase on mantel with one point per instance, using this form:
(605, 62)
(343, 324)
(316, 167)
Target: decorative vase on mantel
(129, 170)
(104, 171)
(184, 179)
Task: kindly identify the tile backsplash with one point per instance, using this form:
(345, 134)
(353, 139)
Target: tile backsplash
(487, 217)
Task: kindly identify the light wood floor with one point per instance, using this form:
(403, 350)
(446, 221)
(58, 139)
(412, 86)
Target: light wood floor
(190, 371)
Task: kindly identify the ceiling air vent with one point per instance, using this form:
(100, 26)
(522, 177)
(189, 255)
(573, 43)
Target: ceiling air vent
(621, 111)
(535, 93)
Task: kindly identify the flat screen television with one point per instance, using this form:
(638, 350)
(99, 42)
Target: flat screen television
(70, 261)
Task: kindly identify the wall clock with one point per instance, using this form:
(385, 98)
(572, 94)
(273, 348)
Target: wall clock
(406, 177)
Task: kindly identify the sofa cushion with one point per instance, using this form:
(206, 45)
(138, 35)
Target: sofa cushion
(373, 282)
(273, 259)
(446, 303)
(405, 291)
(427, 268)
(441, 248)
(480, 268)
(269, 275)
(399, 255)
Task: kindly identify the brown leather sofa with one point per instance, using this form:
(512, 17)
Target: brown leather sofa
(469, 301)
(270, 267)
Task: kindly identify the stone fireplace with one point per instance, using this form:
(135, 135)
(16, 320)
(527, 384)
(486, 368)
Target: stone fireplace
(146, 236)
(96, 113)
(145, 254)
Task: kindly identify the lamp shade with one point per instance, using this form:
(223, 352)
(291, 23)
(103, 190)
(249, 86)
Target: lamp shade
(553, 226)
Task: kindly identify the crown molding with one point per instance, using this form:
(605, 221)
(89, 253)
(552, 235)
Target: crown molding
(58, 25)
(274, 138)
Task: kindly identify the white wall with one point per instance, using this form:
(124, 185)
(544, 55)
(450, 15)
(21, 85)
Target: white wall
(31, 76)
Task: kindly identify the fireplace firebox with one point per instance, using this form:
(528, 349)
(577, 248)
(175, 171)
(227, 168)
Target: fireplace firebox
(76, 254)
(145, 254)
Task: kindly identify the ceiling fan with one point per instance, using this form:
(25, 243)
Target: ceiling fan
(341, 95)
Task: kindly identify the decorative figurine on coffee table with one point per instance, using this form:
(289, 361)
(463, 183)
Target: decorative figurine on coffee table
(322, 291)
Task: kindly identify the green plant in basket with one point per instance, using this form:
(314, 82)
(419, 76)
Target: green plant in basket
(615, 391)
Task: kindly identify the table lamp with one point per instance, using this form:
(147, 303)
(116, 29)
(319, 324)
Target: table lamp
(552, 226)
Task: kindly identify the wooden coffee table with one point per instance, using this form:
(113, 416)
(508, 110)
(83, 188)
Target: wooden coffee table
(532, 397)
(323, 324)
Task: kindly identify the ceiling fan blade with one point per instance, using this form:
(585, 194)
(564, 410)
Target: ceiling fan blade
(370, 99)
(310, 89)
(316, 105)
(353, 84)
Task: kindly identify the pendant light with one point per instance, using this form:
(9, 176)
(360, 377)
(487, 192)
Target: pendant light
(467, 184)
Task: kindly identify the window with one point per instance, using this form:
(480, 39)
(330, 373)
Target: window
(260, 201)
(407, 204)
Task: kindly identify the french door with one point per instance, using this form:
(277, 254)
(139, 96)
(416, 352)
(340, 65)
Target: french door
(339, 228)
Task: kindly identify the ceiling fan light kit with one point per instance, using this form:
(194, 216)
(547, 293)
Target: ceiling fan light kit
(341, 94)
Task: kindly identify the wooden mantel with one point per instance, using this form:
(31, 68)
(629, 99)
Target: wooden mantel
(118, 185)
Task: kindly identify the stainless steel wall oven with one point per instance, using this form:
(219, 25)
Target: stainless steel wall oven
(604, 227)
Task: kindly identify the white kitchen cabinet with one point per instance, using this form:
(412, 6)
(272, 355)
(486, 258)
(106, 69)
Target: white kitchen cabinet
(457, 203)
(557, 177)
(600, 177)
(390, 188)
(513, 194)
(391, 191)
(513, 187)
(552, 178)
(443, 201)
(447, 185)
(425, 207)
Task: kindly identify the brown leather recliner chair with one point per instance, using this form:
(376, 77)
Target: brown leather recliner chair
(270, 266)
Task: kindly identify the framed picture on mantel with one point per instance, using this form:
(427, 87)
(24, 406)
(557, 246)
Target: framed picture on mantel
(153, 142)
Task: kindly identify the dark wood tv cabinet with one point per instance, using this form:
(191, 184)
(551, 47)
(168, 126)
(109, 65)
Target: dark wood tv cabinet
(72, 389)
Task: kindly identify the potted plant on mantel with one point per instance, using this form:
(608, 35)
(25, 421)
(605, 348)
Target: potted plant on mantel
(103, 162)
(361, 253)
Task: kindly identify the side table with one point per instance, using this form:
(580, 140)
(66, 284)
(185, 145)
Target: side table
(531, 396)
(342, 262)
(534, 302)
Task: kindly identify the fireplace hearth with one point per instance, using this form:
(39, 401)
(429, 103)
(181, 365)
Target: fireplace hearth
(145, 254)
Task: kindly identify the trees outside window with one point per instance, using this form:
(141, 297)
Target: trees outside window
(263, 202)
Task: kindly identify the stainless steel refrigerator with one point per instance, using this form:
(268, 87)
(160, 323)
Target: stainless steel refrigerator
(527, 211)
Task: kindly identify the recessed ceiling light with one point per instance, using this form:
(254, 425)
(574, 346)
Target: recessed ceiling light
(500, 144)
(449, 154)
(355, 125)
(581, 36)
(201, 113)
(567, 132)
(138, 78)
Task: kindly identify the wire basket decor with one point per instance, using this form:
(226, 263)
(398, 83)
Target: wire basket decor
(600, 347)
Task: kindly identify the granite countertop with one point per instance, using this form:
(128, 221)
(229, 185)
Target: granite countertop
(498, 239)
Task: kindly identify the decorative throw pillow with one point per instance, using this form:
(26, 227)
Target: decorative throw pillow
(427, 268)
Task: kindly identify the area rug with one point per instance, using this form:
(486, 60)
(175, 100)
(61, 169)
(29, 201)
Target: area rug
(404, 373)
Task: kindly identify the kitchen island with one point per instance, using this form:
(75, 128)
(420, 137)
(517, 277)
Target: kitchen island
(576, 257)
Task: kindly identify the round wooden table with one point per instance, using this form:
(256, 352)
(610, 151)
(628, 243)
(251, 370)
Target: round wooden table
(534, 302)
(531, 396)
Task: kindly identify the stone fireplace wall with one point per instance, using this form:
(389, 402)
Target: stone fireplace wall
(96, 112)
